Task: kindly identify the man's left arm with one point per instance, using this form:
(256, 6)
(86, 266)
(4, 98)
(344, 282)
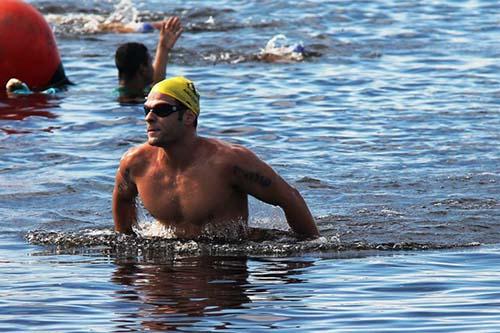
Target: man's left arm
(170, 31)
(253, 176)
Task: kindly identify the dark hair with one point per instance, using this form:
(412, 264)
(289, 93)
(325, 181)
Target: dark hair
(129, 57)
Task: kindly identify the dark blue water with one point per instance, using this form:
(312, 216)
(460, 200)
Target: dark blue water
(388, 127)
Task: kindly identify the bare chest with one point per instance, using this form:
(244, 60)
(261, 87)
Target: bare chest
(189, 197)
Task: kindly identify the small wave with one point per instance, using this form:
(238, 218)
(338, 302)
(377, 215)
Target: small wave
(276, 50)
(211, 24)
(225, 232)
(467, 203)
(313, 183)
(271, 243)
(123, 18)
(71, 20)
(63, 7)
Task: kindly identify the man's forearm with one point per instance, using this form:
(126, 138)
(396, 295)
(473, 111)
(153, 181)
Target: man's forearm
(299, 217)
(124, 215)
(160, 64)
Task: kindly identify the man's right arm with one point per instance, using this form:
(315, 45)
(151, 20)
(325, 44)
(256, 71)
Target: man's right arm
(170, 31)
(124, 194)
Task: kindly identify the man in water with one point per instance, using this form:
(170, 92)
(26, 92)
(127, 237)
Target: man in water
(136, 70)
(193, 184)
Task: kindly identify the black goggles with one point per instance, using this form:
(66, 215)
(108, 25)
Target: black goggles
(163, 110)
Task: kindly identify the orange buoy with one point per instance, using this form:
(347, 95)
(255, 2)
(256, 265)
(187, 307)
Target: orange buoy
(28, 49)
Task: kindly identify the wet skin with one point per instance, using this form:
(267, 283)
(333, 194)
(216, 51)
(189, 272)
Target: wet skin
(186, 181)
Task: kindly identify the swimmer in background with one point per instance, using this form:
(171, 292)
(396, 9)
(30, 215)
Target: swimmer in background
(195, 185)
(59, 82)
(124, 28)
(137, 71)
(17, 87)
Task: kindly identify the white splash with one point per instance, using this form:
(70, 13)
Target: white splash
(155, 229)
(210, 20)
(278, 49)
(124, 12)
(124, 16)
(74, 23)
(228, 231)
(97, 232)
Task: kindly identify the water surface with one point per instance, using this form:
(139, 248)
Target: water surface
(388, 127)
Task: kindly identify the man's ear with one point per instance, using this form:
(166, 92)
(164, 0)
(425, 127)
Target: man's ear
(143, 69)
(189, 118)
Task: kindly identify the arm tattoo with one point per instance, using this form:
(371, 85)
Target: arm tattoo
(250, 176)
(124, 185)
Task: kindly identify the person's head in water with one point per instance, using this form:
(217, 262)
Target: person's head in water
(177, 96)
(134, 65)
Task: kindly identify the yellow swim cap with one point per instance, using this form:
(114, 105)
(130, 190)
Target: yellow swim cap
(182, 90)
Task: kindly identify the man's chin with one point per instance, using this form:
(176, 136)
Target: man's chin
(153, 142)
(156, 142)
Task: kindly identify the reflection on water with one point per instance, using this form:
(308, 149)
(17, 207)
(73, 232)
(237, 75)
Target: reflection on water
(424, 291)
(19, 107)
(176, 294)
(388, 127)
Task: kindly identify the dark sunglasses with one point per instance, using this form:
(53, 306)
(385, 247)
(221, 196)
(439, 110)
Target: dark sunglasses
(163, 110)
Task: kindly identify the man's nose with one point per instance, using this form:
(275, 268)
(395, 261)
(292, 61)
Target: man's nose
(150, 117)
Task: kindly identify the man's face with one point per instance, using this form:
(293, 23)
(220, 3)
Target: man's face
(162, 131)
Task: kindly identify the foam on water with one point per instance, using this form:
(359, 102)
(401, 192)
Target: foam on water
(271, 243)
(125, 12)
(233, 231)
(124, 15)
(391, 135)
(278, 49)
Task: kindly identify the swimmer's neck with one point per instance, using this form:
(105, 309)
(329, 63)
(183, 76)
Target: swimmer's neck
(181, 154)
(132, 87)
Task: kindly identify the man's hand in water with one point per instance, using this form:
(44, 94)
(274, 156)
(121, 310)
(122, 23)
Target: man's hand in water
(170, 31)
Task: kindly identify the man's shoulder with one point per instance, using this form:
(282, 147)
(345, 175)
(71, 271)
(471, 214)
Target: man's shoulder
(223, 148)
(223, 152)
(136, 156)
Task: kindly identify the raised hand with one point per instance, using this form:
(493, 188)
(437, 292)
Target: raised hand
(170, 31)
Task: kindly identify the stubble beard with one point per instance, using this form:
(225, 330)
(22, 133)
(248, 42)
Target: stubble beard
(156, 142)
(160, 142)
